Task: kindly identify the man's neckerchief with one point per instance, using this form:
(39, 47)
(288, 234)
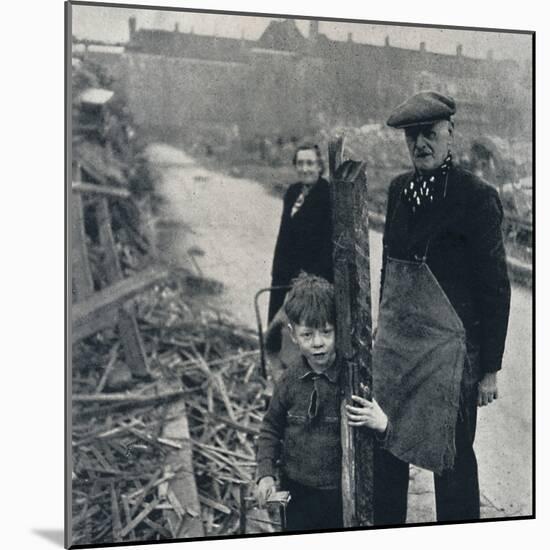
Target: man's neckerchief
(425, 190)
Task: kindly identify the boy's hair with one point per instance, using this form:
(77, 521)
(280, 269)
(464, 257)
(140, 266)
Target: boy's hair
(310, 301)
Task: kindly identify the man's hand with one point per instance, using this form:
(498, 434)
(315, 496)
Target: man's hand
(487, 389)
(265, 487)
(367, 414)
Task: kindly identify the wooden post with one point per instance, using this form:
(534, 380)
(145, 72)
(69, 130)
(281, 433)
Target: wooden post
(111, 264)
(130, 337)
(354, 326)
(83, 286)
(242, 508)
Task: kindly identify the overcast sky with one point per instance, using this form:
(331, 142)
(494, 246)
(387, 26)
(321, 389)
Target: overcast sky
(111, 24)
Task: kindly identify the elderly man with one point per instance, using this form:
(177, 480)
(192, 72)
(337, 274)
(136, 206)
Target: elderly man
(444, 309)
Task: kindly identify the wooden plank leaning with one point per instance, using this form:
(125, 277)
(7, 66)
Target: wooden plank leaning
(105, 190)
(83, 286)
(185, 517)
(101, 309)
(354, 326)
(130, 337)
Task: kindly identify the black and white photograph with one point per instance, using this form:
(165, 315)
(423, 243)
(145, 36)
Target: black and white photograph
(299, 274)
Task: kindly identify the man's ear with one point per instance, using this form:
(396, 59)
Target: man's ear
(450, 141)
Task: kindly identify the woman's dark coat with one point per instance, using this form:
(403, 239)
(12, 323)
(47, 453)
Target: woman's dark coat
(304, 242)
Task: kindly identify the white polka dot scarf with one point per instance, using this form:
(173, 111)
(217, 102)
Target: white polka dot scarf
(425, 190)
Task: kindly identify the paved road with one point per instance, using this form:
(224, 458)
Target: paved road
(235, 222)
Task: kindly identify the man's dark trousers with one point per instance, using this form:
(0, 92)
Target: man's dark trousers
(456, 490)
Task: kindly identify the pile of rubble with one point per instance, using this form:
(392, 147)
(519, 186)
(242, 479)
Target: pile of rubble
(122, 470)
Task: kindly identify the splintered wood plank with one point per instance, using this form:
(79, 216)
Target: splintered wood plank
(105, 190)
(353, 326)
(147, 509)
(115, 511)
(83, 285)
(134, 352)
(111, 264)
(100, 310)
(182, 485)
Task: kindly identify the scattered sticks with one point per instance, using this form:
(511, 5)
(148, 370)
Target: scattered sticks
(129, 483)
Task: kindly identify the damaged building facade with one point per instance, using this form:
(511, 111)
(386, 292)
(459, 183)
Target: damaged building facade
(286, 85)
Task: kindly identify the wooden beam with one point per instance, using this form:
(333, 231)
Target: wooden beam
(100, 310)
(354, 326)
(127, 398)
(83, 286)
(183, 484)
(111, 263)
(134, 352)
(105, 190)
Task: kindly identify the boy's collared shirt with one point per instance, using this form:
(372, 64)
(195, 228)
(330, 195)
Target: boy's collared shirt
(302, 428)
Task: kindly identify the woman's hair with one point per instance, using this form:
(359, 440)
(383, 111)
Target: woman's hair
(310, 301)
(306, 146)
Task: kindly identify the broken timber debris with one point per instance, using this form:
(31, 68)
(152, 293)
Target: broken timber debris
(97, 312)
(133, 445)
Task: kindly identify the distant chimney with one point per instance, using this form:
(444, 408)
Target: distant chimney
(490, 54)
(459, 50)
(313, 30)
(176, 27)
(350, 37)
(422, 46)
(387, 41)
(132, 24)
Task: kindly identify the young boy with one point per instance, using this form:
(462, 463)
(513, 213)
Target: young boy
(301, 428)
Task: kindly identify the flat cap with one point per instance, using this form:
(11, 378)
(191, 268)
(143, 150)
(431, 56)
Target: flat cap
(422, 108)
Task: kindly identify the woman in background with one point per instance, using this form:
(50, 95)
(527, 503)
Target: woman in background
(304, 242)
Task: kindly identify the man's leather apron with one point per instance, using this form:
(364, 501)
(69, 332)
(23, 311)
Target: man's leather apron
(418, 360)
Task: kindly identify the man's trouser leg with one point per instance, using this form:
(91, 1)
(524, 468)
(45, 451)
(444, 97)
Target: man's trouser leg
(391, 485)
(457, 490)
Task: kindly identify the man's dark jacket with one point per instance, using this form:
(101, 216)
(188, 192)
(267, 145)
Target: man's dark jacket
(304, 241)
(466, 255)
